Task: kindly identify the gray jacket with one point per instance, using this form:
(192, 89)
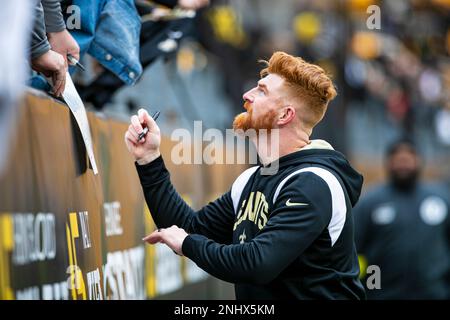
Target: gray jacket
(48, 18)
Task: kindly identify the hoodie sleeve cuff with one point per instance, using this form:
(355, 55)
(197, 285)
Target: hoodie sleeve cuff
(191, 242)
(153, 172)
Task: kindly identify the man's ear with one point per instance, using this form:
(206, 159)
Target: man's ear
(288, 114)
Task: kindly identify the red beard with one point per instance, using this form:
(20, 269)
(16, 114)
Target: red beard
(244, 120)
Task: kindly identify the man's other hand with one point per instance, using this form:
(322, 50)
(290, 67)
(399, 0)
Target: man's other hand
(51, 64)
(146, 149)
(63, 43)
(173, 237)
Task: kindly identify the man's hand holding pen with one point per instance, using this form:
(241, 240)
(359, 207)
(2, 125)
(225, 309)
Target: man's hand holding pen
(63, 43)
(143, 139)
(144, 147)
(54, 63)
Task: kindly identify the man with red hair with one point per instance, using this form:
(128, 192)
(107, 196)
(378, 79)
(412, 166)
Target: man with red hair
(288, 235)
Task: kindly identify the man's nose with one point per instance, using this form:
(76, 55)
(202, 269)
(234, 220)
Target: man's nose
(248, 96)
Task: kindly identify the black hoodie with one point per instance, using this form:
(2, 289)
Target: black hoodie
(283, 236)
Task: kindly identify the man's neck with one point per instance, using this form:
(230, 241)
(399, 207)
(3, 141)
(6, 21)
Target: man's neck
(280, 144)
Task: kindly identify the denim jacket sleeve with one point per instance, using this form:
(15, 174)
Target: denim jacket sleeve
(110, 31)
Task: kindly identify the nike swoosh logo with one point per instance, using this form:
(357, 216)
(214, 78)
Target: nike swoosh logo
(290, 204)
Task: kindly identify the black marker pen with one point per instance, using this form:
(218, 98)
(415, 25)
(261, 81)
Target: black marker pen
(144, 133)
(75, 62)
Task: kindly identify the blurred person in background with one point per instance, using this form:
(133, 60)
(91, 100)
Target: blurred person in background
(287, 235)
(403, 226)
(51, 43)
(15, 25)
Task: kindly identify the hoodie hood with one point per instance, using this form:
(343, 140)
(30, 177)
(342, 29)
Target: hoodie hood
(321, 153)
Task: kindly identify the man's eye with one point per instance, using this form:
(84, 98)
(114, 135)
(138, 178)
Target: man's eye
(261, 91)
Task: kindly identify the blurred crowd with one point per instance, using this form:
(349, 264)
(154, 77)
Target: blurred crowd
(403, 67)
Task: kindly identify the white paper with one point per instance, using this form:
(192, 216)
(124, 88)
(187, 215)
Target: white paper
(73, 100)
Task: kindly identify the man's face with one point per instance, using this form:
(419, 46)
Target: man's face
(262, 104)
(403, 167)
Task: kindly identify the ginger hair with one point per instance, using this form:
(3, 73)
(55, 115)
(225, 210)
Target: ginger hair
(308, 83)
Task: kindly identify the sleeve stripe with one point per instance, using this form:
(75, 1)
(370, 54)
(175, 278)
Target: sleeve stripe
(339, 207)
(239, 185)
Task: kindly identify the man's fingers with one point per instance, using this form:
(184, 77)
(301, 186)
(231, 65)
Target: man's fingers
(136, 124)
(58, 82)
(148, 120)
(63, 84)
(153, 238)
(66, 61)
(142, 115)
(133, 132)
(130, 138)
(145, 117)
(75, 54)
(135, 136)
